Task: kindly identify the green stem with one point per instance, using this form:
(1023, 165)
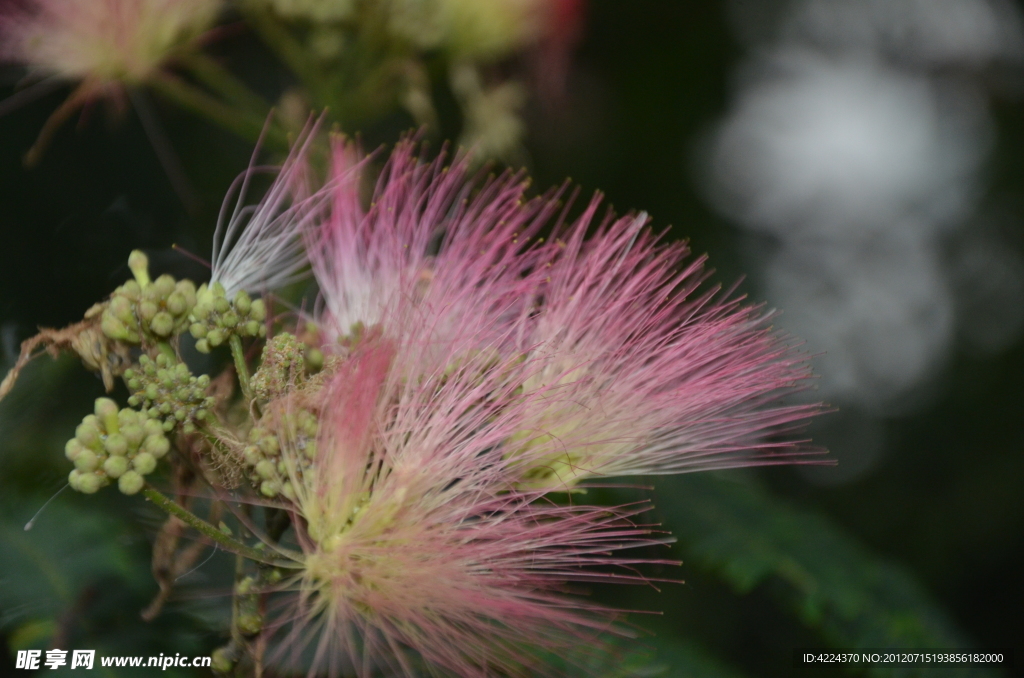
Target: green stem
(221, 80)
(212, 533)
(243, 370)
(291, 51)
(188, 97)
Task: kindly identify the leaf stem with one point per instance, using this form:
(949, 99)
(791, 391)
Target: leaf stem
(211, 532)
(238, 355)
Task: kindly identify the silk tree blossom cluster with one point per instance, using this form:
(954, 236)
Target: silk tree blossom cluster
(414, 446)
(473, 373)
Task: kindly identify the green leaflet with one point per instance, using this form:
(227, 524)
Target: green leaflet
(850, 597)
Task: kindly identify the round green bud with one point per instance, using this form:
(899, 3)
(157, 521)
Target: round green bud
(243, 302)
(116, 444)
(288, 491)
(215, 337)
(203, 346)
(203, 381)
(88, 432)
(198, 330)
(151, 427)
(162, 324)
(201, 414)
(114, 328)
(310, 450)
(138, 262)
(269, 488)
(148, 310)
(269, 445)
(134, 384)
(251, 328)
(134, 434)
(89, 483)
(131, 289)
(221, 305)
(250, 453)
(144, 463)
(181, 372)
(130, 483)
(166, 379)
(177, 304)
(157, 445)
(87, 461)
(163, 360)
(222, 661)
(72, 449)
(183, 394)
(165, 284)
(115, 466)
(168, 424)
(152, 391)
(314, 360)
(153, 413)
(180, 414)
(165, 408)
(187, 289)
(258, 310)
(105, 408)
(263, 331)
(265, 469)
(133, 401)
(229, 320)
(188, 427)
(201, 311)
(121, 308)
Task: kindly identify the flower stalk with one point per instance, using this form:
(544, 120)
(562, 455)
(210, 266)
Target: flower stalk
(212, 533)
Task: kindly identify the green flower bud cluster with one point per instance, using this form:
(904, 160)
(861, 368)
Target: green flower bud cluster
(114, 444)
(215, 318)
(166, 391)
(148, 311)
(272, 471)
(282, 367)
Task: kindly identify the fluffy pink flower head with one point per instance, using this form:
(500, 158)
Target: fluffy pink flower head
(101, 41)
(636, 369)
(473, 369)
(430, 239)
(648, 373)
(417, 548)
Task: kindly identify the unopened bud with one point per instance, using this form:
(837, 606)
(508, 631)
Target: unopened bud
(138, 262)
(162, 324)
(130, 483)
(115, 466)
(144, 463)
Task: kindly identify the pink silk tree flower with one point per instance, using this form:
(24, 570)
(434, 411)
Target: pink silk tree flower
(430, 236)
(500, 369)
(646, 372)
(417, 550)
(636, 369)
(103, 45)
(101, 42)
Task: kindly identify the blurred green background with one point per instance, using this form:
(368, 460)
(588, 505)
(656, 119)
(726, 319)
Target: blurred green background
(920, 548)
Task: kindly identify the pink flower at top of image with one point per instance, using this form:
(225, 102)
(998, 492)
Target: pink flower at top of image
(489, 357)
(637, 366)
(101, 42)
